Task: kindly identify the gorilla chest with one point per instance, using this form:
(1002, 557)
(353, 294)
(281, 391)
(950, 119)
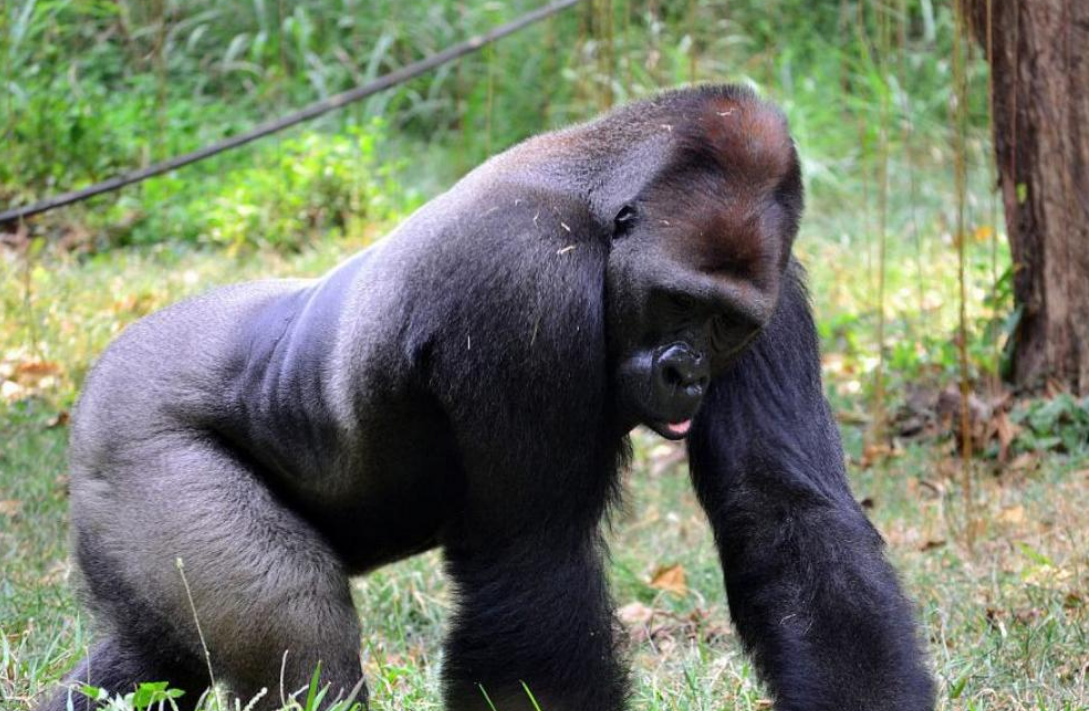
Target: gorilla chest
(387, 493)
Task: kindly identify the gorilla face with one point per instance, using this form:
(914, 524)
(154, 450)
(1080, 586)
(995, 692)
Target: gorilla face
(694, 269)
(674, 326)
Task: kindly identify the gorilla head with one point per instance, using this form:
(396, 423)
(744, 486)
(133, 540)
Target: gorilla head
(697, 256)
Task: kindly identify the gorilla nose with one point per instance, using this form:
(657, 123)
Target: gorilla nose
(682, 371)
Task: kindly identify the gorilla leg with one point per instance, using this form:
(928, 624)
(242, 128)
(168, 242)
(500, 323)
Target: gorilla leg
(534, 612)
(809, 588)
(271, 599)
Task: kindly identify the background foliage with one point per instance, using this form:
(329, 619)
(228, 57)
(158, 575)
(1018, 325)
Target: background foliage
(89, 88)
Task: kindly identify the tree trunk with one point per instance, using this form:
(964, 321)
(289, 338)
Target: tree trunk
(1040, 68)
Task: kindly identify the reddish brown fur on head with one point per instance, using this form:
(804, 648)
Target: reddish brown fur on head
(730, 197)
(746, 136)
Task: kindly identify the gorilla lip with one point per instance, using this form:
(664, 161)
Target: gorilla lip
(670, 430)
(680, 429)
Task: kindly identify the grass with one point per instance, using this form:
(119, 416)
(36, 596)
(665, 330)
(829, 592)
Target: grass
(1006, 624)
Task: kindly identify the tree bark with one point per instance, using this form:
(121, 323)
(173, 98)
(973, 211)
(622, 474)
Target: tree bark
(1039, 57)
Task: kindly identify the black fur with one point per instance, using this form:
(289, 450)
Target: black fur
(809, 588)
(469, 383)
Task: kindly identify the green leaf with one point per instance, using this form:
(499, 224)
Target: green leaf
(151, 692)
(312, 692)
(1035, 555)
(957, 687)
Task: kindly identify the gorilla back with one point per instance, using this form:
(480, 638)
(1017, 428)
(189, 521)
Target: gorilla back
(466, 383)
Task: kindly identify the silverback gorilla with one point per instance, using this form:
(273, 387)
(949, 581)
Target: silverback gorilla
(469, 383)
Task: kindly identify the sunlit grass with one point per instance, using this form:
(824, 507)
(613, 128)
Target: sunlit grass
(1006, 623)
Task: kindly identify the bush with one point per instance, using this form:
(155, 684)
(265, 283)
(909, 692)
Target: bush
(284, 195)
(304, 188)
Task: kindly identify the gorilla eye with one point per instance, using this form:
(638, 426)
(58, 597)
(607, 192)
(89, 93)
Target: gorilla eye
(625, 220)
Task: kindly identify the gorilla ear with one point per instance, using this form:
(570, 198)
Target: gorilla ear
(624, 221)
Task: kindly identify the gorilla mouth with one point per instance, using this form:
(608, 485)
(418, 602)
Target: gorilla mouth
(671, 430)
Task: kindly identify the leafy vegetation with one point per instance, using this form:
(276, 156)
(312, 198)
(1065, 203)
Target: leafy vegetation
(91, 88)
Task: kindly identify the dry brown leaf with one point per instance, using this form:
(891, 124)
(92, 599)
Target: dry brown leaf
(931, 545)
(671, 579)
(983, 233)
(876, 453)
(1012, 514)
(32, 370)
(10, 507)
(58, 420)
(1023, 462)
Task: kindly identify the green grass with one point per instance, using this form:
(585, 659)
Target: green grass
(1006, 624)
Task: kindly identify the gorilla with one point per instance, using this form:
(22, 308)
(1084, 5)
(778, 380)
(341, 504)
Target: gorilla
(469, 383)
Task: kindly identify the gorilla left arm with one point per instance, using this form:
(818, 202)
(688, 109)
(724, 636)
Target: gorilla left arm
(809, 588)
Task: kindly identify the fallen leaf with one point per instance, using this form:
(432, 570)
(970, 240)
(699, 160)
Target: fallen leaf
(10, 507)
(1023, 462)
(36, 369)
(1012, 514)
(875, 453)
(931, 545)
(58, 420)
(671, 579)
